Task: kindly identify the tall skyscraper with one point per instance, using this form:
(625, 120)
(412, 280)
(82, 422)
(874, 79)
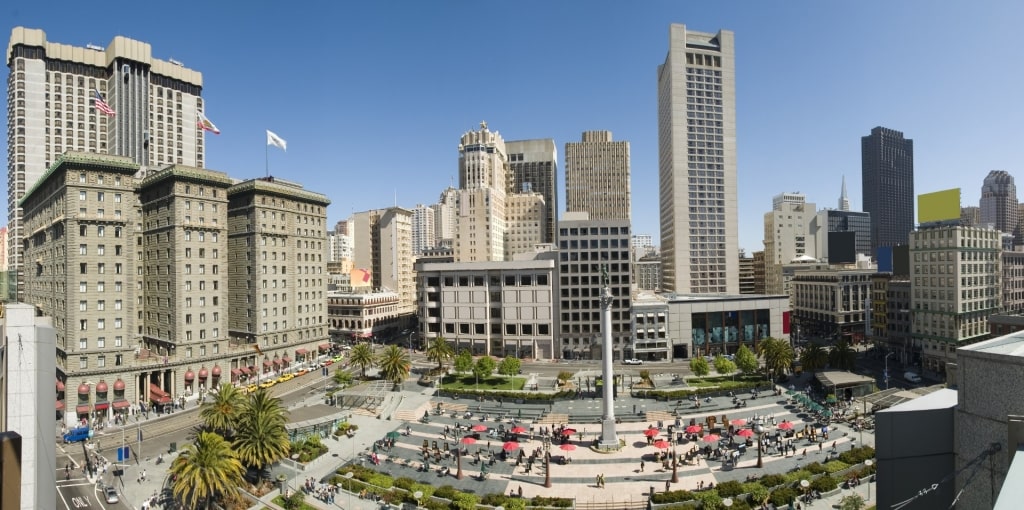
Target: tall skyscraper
(697, 163)
(597, 176)
(480, 202)
(844, 199)
(887, 174)
(999, 206)
(445, 220)
(533, 168)
(423, 229)
(52, 92)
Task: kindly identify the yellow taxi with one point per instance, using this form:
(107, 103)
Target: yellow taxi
(268, 383)
(251, 388)
(285, 378)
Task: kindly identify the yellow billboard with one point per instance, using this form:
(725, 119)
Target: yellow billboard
(939, 206)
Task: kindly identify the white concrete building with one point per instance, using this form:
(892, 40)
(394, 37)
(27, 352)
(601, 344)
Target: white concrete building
(383, 245)
(786, 236)
(424, 231)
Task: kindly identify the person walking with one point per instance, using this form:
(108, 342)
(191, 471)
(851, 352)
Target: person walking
(641, 466)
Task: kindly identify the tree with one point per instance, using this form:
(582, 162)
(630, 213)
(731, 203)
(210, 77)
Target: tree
(362, 356)
(699, 366)
(464, 361)
(778, 355)
(484, 367)
(852, 502)
(440, 351)
(204, 471)
(342, 377)
(842, 356)
(394, 364)
(724, 366)
(746, 361)
(221, 414)
(262, 438)
(510, 366)
(813, 357)
(294, 501)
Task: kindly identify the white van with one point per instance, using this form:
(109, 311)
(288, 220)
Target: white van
(912, 377)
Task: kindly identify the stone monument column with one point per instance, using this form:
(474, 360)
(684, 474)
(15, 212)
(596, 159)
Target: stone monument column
(609, 438)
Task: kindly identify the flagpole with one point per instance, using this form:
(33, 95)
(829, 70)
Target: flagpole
(266, 152)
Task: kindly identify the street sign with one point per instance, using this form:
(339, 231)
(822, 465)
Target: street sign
(123, 454)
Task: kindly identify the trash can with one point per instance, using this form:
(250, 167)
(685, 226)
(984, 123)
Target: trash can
(173, 448)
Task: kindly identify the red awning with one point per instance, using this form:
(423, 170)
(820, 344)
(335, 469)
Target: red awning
(324, 347)
(60, 405)
(216, 371)
(189, 376)
(236, 371)
(102, 406)
(83, 409)
(266, 363)
(298, 352)
(158, 395)
(203, 373)
(286, 359)
(277, 361)
(122, 404)
(60, 385)
(245, 370)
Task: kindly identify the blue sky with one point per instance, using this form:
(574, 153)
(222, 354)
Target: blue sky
(373, 97)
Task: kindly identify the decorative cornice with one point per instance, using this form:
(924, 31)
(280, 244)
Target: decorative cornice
(83, 161)
(262, 186)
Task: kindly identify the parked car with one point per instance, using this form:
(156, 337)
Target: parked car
(633, 361)
(267, 384)
(110, 494)
(285, 378)
(911, 377)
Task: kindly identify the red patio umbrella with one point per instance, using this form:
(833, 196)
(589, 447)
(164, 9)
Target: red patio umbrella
(518, 430)
(662, 444)
(651, 432)
(568, 447)
(510, 446)
(786, 425)
(479, 428)
(568, 432)
(745, 433)
(711, 438)
(694, 429)
(467, 440)
(738, 422)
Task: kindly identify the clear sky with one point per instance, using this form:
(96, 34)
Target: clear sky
(373, 97)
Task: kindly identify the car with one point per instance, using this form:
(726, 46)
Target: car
(251, 388)
(304, 371)
(78, 434)
(633, 361)
(911, 377)
(285, 378)
(328, 362)
(268, 383)
(337, 358)
(110, 494)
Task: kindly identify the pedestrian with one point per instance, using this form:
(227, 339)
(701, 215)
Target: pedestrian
(641, 466)
(598, 482)
(668, 485)
(820, 446)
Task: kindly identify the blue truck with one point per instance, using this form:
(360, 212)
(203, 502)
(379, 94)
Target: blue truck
(78, 434)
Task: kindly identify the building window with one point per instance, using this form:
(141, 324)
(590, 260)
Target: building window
(83, 362)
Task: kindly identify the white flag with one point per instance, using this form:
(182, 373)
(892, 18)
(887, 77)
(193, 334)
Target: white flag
(276, 141)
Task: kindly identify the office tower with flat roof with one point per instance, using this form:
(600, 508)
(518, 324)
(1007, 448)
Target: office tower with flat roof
(597, 176)
(533, 168)
(998, 204)
(697, 163)
(382, 242)
(526, 219)
(445, 219)
(786, 236)
(148, 112)
(887, 177)
(423, 229)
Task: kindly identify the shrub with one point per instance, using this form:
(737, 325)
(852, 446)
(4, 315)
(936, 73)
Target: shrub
(431, 504)
(782, 496)
(427, 490)
(465, 501)
(815, 468)
(709, 500)
(404, 483)
(445, 491)
(798, 474)
(515, 504)
(495, 500)
(758, 493)
(824, 483)
(564, 375)
(672, 497)
(552, 502)
(771, 481)
(857, 455)
(729, 489)
(835, 466)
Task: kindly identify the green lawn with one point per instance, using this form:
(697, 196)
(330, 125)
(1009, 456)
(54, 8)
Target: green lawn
(469, 382)
(304, 506)
(722, 382)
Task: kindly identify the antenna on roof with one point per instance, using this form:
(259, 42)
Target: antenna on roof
(92, 46)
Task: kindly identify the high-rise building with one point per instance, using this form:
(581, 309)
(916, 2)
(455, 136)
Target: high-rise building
(952, 311)
(533, 168)
(647, 273)
(970, 216)
(760, 286)
(589, 251)
(844, 199)
(423, 229)
(480, 202)
(445, 220)
(597, 176)
(697, 163)
(839, 236)
(382, 240)
(51, 95)
(526, 219)
(998, 204)
(887, 175)
(786, 236)
(746, 274)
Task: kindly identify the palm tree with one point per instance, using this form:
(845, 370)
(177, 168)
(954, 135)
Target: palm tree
(205, 470)
(778, 355)
(440, 351)
(361, 356)
(814, 357)
(394, 364)
(342, 377)
(842, 356)
(221, 414)
(261, 438)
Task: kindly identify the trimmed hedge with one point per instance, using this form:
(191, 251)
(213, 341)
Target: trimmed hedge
(824, 483)
(783, 496)
(660, 498)
(729, 489)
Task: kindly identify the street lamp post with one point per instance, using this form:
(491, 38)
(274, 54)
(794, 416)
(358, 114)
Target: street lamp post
(675, 474)
(349, 476)
(760, 430)
(411, 334)
(868, 463)
(887, 368)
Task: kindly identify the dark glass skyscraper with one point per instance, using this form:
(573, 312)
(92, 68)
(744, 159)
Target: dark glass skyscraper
(887, 175)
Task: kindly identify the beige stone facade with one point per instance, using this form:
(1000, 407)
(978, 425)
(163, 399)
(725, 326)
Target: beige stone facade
(786, 237)
(526, 220)
(382, 240)
(597, 176)
(354, 314)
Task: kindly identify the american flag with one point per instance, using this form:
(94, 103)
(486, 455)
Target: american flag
(102, 105)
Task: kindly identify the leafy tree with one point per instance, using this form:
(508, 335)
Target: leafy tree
(778, 355)
(484, 367)
(724, 366)
(464, 361)
(510, 365)
(842, 356)
(699, 366)
(440, 351)
(394, 364)
(261, 438)
(222, 412)
(813, 357)
(294, 501)
(746, 361)
(204, 471)
(342, 377)
(362, 356)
